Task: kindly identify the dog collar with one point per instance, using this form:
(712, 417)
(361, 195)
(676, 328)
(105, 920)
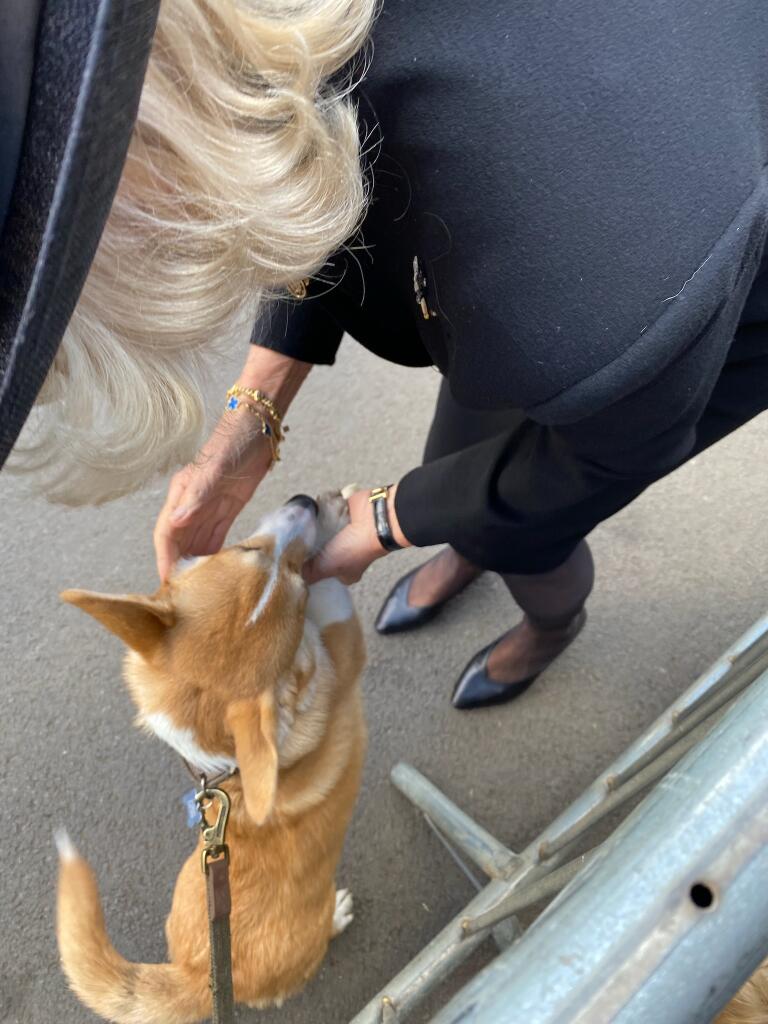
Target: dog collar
(202, 779)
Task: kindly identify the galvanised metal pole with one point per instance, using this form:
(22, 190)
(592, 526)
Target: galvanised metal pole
(666, 737)
(671, 916)
(472, 839)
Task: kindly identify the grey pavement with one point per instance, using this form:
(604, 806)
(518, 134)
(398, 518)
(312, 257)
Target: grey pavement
(680, 575)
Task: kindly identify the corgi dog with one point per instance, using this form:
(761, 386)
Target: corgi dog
(236, 664)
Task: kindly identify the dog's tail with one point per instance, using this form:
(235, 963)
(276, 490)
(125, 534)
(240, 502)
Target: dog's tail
(109, 985)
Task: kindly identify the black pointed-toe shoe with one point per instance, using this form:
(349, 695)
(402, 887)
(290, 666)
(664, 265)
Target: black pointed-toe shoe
(396, 615)
(476, 689)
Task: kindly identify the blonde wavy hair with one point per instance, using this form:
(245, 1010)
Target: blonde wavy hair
(243, 175)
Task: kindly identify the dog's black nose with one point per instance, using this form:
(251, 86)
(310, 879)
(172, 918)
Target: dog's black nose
(305, 501)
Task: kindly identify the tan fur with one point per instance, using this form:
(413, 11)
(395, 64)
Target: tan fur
(253, 724)
(196, 659)
(750, 1004)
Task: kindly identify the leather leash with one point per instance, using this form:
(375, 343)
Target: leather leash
(215, 865)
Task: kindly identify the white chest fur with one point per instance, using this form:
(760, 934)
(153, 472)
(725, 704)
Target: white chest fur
(329, 601)
(184, 743)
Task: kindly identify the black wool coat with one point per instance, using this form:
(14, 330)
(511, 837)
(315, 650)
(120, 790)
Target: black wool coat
(583, 186)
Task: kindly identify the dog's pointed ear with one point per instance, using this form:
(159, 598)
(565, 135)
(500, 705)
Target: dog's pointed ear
(140, 622)
(253, 724)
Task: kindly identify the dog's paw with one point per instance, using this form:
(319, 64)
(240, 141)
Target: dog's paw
(342, 914)
(332, 517)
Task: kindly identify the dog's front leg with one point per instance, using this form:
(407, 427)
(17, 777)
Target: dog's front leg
(343, 913)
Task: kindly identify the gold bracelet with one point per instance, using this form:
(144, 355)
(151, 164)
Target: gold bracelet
(272, 432)
(260, 397)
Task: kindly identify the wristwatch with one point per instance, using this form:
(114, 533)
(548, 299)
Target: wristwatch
(378, 500)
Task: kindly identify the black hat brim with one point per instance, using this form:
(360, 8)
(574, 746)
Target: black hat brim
(89, 67)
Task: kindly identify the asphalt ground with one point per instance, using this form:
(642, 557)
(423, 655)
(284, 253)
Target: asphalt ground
(681, 573)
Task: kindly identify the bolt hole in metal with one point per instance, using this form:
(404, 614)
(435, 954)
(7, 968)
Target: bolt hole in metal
(702, 895)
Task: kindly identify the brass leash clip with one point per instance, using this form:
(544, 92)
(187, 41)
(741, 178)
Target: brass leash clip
(214, 836)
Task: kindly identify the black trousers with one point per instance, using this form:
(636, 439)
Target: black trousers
(740, 394)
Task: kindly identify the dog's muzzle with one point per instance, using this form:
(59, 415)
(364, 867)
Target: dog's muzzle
(296, 520)
(305, 501)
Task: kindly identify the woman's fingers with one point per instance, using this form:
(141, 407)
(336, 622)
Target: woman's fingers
(346, 556)
(171, 530)
(206, 496)
(349, 553)
(209, 506)
(205, 534)
(219, 534)
(167, 552)
(190, 502)
(166, 548)
(179, 515)
(321, 566)
(197, 484)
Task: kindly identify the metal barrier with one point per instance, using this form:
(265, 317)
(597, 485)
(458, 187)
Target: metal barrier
(664, 920)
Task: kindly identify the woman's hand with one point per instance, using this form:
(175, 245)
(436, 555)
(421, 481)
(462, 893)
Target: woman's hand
(205, 497)
(347, 555)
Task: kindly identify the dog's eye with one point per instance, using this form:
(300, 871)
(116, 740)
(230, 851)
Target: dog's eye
(250, 556)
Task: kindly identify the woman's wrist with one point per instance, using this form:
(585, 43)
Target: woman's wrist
(394, 523)
(275, 374)
(237, 440)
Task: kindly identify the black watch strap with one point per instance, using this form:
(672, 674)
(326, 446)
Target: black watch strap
(378, 500)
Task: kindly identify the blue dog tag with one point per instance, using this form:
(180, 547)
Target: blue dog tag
(191, 809)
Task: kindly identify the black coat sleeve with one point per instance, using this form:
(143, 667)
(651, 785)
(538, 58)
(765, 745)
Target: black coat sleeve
(308, 330)
(519, 502)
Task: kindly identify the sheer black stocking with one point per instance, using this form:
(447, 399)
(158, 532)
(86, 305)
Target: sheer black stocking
(553, 607)
(441, 578)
